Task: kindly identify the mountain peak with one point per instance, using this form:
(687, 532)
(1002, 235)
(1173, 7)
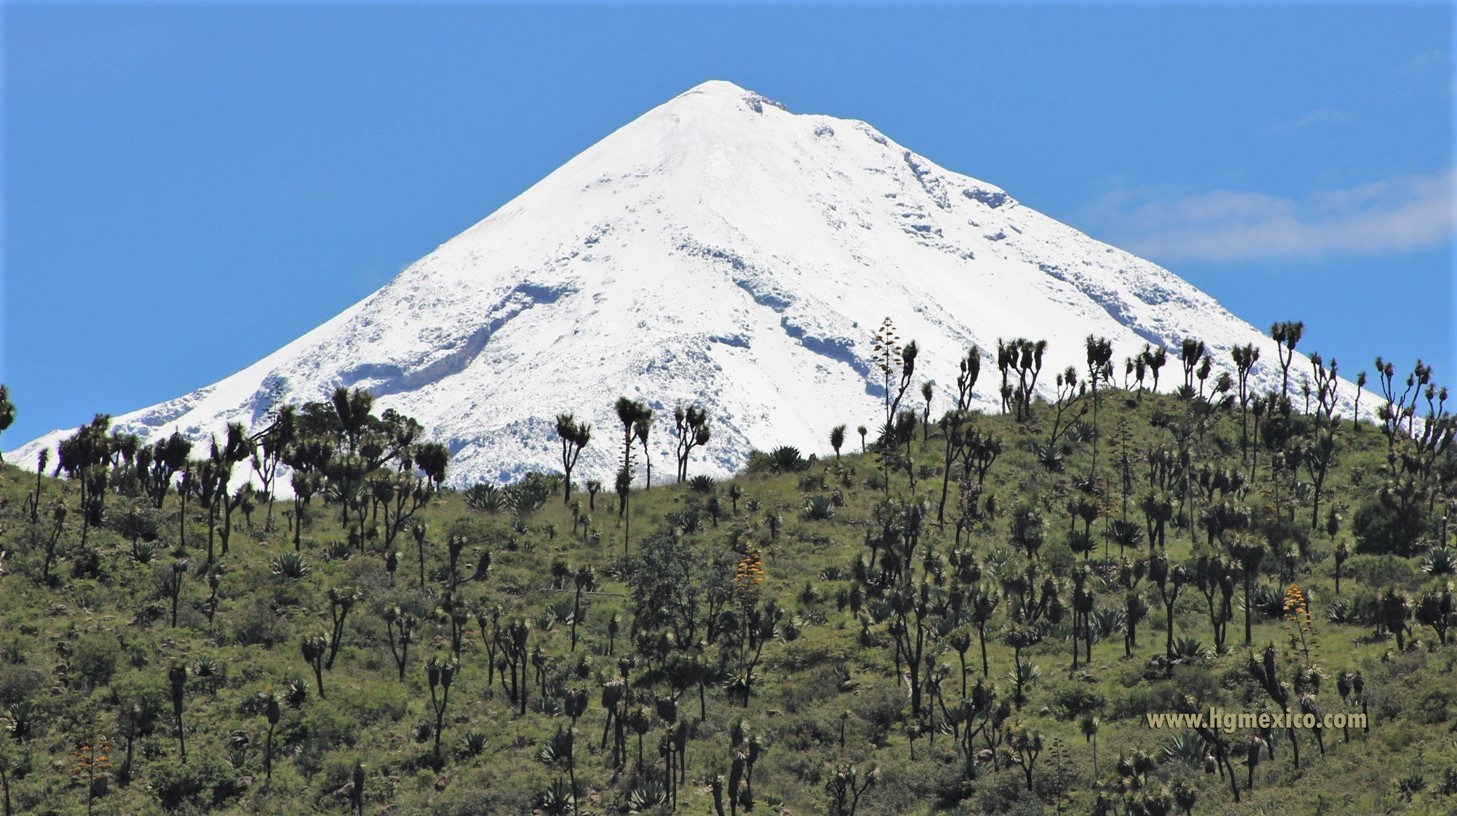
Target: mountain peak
(721, 92)
(716, 86)
(714, 251)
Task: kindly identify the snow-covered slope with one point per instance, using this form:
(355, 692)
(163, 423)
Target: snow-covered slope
(723, 250)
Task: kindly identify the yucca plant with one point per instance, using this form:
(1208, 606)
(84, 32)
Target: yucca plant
(291, 565)
(555, 750)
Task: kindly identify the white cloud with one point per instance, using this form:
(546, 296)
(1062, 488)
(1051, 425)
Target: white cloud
(1322, 116)
(1395, 215)
(1436, 59)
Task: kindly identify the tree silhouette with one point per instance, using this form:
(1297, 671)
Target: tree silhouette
(1100, 369)
(177, 685)
(273, 443)
(691, 424)
(86, 458)
(7, 412)
(1287, 335)
(1024, 358)
(1154, 359)
(927, 389)
(641, 429)
(167, 457)
(897, 366)
(1245, 358)
(440, 674)
(630, 413)
(574, 437)
(1192, 353)
(238, 448)
(837, 439)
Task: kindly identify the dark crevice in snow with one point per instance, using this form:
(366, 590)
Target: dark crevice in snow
(390, 378)
(748, 277)
(929, 182)
(837, 349)
(757, 102)
(991, 198)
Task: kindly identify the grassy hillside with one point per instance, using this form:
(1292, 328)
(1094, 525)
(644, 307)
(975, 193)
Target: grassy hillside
(731, 622)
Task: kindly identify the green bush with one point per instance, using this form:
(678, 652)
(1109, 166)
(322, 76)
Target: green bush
(147, 690)
(258, 624)
(1072, 700)
(1383, 570)
(18, 682)
(93, 659)
(1382, 528)
(204, 782)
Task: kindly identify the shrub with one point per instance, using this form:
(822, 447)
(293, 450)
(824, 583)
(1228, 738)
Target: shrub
(1383, 570)
(257, 624)
(93, 658)
(204, 782)
(149, 692)
(18, 683)
(1071, 701)
(1382, 528)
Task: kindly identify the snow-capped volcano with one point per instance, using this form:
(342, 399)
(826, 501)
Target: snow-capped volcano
(721, 250)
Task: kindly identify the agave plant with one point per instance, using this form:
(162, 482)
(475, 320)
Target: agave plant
(143, 551)
(1050, 456)
(646, 795)
(486, 498)
(1186, 748)
(786, 459)
(1106, 621)
(291, 565)
(474, 743)
(1265, 601)
(701, 484)
(556, 749)
(819, 508)
(1189, 650)
(1341, 611)
(687, 522)
(558, 799)
(1440, 561)
(1024, 673)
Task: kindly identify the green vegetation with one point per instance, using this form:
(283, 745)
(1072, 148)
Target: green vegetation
(969, 615)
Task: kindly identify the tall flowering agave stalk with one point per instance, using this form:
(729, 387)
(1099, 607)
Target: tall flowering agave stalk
(1297, 614)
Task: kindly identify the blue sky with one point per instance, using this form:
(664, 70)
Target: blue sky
(188, 187)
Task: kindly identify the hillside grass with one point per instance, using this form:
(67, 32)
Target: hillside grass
(77, 654)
